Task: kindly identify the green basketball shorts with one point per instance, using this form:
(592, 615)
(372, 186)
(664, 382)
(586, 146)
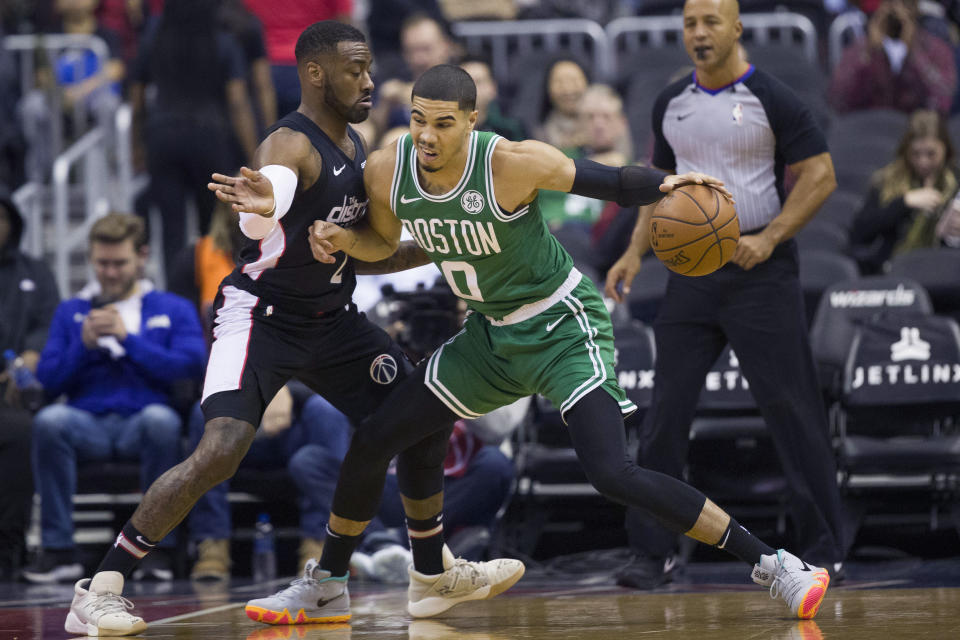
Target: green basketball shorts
(562, 353)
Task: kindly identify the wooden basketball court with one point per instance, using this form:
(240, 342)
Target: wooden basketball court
(904, 600)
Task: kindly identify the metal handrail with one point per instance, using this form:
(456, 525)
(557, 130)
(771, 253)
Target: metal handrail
(27, 199)
(657, 28)
(123, 127)
(86, 148)
(846, 26)
(550, 31)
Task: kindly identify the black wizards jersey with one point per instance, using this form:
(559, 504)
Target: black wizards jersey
(280, 269)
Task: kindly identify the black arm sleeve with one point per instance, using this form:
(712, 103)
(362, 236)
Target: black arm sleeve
(627, 186)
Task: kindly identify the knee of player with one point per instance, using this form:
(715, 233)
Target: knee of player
(225, 441)
(365, 447)
(610, 479)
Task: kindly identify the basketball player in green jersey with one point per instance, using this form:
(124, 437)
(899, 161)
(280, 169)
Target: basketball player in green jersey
(537, 326)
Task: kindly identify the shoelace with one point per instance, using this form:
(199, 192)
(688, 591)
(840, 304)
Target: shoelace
(470, 569)
(298, 584)
(111, 603)
(784, 584)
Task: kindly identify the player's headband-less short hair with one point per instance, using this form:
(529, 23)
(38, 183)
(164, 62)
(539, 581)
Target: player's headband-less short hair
(323, 37)
(449, 83)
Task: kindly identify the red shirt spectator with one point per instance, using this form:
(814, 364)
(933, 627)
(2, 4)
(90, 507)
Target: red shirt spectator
(899, 65)
(284, 21)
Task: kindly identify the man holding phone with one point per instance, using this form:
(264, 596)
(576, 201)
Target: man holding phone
(114, 352)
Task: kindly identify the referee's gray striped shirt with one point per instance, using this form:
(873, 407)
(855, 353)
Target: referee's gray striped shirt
(743, 133)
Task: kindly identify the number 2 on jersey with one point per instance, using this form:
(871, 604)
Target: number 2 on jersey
(337, 276)
(452, 267)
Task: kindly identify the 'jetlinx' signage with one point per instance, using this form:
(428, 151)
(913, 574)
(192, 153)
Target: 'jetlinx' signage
(909, 363)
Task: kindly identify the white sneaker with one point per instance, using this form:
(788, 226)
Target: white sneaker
(100, 610)
(460, 582)
(802, 586)
(316, 596)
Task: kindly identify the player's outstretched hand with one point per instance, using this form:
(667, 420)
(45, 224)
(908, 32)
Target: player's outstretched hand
(620, 276)
(327, 239)
(251, 192)
(672, 182)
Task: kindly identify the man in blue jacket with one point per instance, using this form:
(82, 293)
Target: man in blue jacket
(113, 352)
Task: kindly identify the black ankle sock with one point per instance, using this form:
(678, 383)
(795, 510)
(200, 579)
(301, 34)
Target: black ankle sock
(129, 548)
(743, 544)
(337, 549)
(426, 544)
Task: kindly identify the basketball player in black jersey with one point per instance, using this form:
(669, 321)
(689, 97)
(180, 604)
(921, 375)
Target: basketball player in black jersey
(282, 314)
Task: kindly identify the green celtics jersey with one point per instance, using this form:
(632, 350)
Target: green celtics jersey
(495, 260)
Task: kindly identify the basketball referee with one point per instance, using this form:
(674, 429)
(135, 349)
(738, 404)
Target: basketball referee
(738, 123)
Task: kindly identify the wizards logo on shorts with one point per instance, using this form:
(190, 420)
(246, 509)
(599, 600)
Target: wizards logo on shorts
(383, 369)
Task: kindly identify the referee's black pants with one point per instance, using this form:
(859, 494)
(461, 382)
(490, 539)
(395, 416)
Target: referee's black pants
(761, 313)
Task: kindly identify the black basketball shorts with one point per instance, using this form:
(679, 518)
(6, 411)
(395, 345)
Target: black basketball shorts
(341, 355)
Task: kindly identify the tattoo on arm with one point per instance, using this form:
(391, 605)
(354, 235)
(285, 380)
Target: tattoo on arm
(408, 255)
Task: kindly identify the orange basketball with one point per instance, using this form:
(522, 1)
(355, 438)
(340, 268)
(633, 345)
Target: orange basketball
(694, 230)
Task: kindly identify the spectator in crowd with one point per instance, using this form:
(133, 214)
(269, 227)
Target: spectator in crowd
(490, 114)
(11, 135)
(114, 352)
(83, 80)
(459, 10)
(73, 89)
(283, 21)
(425, 42)
(300, 431)
(125, 18)
(605, 139)
(385, 20)
(198, 71)
(909, 201)
(601, 11)
(28, 297)
(201, 266)
(608, 134)
(246, 28)
(898, 65)
(565, 82)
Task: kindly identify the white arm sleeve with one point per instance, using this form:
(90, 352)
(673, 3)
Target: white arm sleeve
(284, 181)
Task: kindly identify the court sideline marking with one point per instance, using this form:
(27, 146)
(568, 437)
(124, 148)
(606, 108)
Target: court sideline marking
(194, 614)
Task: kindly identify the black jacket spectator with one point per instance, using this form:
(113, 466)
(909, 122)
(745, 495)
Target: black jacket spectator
(28, 297)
